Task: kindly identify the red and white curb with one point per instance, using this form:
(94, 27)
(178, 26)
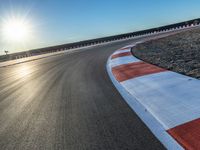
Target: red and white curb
(168, 102)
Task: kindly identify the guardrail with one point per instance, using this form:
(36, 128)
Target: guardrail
(167, 28)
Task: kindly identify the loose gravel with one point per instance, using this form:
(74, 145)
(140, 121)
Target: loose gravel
(179, 52)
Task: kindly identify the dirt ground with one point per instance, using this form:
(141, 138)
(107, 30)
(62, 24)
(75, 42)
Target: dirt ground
(179, 53)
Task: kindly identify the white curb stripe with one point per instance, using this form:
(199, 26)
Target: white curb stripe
(121, 51)
(150, 97)
(173, 99)
(146, 117)
(123, 60)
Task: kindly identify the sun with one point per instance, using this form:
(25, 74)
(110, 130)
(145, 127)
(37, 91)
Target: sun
(16, 30)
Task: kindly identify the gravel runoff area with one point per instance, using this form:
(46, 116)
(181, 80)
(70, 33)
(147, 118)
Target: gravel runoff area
(179, 52)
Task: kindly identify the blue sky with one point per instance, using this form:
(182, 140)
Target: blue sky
(63, 21)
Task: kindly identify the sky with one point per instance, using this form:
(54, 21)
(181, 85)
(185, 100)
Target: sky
(54, 22)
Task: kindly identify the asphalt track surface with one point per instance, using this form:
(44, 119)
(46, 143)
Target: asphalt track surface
(68, 102)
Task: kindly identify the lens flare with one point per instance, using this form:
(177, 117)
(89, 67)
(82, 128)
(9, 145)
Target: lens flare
(16, 30)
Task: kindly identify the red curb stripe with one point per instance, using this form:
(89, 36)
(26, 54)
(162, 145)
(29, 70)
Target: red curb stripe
(121, 55)
(187, 135)
(133, 70)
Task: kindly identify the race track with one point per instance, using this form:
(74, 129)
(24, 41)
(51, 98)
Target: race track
(67, 102)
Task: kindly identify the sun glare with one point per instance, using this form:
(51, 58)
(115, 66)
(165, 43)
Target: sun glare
(16, 30)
